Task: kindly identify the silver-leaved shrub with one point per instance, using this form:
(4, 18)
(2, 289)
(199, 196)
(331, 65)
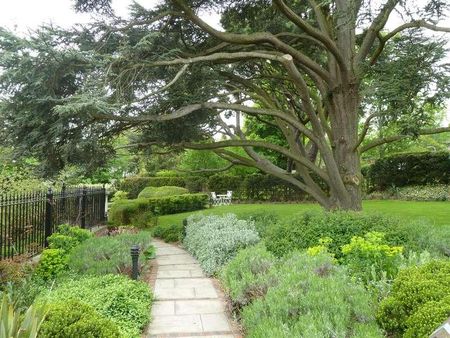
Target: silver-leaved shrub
(214, 240)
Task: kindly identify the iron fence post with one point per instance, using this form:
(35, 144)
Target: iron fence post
(48, 216)
(83, 208)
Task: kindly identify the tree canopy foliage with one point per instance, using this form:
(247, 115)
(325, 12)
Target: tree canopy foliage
(321, 76)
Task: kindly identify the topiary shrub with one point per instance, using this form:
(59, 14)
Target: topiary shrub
(249, 275)
(134, 185)
(52, 263)
(165, 191)
(313, 298)
(214, 240)
(117, 298)
(169, 232)
(74, 319)
(144, 220)
(414, 292)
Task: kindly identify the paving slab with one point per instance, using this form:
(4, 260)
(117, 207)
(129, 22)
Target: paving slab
(187, 303)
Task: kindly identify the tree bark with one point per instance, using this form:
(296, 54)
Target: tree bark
(344, 122)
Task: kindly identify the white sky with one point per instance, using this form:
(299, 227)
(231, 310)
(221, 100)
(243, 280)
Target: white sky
(23, 15)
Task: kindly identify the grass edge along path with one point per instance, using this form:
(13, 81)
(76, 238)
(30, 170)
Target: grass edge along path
(437, 213)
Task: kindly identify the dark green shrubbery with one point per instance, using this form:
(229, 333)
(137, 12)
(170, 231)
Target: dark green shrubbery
(409, 169)
(165, 191)
(249, 275)
(419, 301)
(263, 220)
(169, 232)
(104, 255)
(312, 298)
(74, 319)
(117, 298)
(123, 211)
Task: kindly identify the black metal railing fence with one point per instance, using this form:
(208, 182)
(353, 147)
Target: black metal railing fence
(27, 219)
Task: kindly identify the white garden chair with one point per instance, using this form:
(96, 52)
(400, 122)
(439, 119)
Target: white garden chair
(214, 199)
(227, 198)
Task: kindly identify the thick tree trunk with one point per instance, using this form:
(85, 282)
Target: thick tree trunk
(344, 123)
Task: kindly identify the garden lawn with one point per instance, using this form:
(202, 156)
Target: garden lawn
(438, 213)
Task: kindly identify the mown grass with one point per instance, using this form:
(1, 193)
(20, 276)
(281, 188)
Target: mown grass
(436, 213)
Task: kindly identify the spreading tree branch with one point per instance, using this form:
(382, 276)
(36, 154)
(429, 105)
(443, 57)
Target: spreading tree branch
(395, 138)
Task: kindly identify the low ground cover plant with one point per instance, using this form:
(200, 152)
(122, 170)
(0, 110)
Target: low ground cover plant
(117, 298)
(109, 254)
(312, 298)
(214, 240)
(419, 301)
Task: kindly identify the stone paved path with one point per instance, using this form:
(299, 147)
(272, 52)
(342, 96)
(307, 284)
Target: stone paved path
(187, 303)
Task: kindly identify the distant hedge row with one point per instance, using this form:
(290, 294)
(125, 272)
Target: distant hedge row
(408, 169)
(395, 171)
(255, 187)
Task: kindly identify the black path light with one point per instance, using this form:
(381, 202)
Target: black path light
(135, 262)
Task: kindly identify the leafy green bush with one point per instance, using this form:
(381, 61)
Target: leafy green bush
(169, 233)
(249, 275)
(75, 232)
(305, 230)
(214, 240)
(122, 212)
(52, 263)
(263, 220)
(123, 301)
(165, 191)
(144, 220)
(63, 242)
(104, 255)
(413, 293)
(369, 258)
(15, 324)
(313, 298)
(75, 319)
(119, 195)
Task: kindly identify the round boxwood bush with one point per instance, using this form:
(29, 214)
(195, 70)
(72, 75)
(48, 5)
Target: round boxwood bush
(165, 191)
(415, 292)
(74, 319)
(117, 298)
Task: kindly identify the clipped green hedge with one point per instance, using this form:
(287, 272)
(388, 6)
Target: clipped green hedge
(408, 169)
(157, 192)
(134, 185)
(123, 211)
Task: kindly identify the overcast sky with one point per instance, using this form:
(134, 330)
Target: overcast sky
(22, 15)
